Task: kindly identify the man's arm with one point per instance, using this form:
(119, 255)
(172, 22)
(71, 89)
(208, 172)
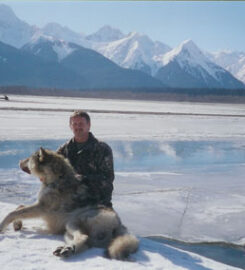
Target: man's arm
(100, 184)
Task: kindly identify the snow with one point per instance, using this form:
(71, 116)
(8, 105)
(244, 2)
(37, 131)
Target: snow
(106, 34)
(189, 206)
(187, 53)
(174, 191)
(132, 50)
(7, 15)
(234, 62)
(32, 249)
(14, 31)
(60, 47)
(125, 126)
(136, 51)
(72, 103)
(64, 33)
(40, 37)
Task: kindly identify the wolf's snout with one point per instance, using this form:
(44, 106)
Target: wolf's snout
(24, 165)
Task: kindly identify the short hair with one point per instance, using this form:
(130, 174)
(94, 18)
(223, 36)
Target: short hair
(80, 113)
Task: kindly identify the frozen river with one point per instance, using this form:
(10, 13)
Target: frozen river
(160, 170)
(179, 176)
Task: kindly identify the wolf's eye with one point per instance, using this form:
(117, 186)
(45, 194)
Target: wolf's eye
(39, 157)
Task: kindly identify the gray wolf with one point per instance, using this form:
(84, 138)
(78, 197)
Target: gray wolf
(83, 227)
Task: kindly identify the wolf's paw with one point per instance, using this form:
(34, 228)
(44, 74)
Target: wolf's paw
(17, 225)
(65, 251)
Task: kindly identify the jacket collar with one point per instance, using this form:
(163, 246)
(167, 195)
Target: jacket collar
(91, 140)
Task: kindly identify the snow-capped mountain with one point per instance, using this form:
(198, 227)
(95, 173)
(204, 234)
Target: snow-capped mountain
(105, 34)
(19, 67)
(133, 51)
(187, 67)
(97, 71)
(234, 62)
(14, 31)
(64, 33)
(49, 48)
(184, 66)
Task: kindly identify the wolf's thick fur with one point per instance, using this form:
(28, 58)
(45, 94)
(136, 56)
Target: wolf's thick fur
(84, 227)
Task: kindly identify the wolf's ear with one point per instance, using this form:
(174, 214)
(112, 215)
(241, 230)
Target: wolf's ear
(42, 154)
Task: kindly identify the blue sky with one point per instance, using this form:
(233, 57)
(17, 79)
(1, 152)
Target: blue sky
(212, 25)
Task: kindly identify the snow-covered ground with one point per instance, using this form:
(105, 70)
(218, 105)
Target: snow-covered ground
(180, 176)
(73, 103)
(32, 249)
(54, 125)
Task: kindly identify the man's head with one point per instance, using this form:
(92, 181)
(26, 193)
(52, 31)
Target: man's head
(80, 125)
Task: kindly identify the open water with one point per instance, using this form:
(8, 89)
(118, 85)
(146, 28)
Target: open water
(146, 156)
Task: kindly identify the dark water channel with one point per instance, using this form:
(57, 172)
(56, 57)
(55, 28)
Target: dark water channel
(233, 255)
(145, 156)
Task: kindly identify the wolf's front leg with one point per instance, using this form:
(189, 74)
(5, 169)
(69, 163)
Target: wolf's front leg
(17, 224)
(32, 211)
(76, 241)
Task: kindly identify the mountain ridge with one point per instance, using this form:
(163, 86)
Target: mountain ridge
(132, 51)
(187, 66)
(40, 66)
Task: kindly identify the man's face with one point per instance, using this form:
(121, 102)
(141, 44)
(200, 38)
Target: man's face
(79, 126)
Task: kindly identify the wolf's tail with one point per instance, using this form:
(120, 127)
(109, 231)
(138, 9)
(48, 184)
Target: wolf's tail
(122, 246)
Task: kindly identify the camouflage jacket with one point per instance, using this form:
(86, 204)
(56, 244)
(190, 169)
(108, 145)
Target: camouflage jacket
(94, 162)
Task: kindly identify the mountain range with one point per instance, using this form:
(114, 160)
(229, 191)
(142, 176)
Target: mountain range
(56, 56)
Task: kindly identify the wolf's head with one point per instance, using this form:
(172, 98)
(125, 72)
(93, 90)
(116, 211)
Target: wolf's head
(48, 165)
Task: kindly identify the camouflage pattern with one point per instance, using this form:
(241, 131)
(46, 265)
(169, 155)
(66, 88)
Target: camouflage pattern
(94, 162)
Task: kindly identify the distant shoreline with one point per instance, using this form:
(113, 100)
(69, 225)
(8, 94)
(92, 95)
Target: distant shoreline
(177, 95)
(122, 112)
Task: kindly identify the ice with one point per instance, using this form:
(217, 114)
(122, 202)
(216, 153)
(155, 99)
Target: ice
(178, 176)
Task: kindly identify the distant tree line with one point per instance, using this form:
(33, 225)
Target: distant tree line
(161, 94)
